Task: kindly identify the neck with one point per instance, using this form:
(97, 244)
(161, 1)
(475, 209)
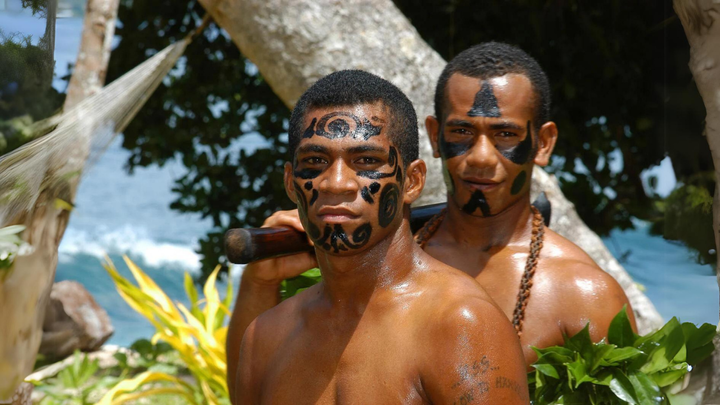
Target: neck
(511, 226)
(350, 281)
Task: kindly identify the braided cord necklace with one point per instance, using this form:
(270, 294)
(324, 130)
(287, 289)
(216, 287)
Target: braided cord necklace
(536, 242)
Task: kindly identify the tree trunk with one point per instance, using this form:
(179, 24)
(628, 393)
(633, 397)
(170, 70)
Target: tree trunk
(91, 67)
(27, 288)
(295, 42)
(699, 19)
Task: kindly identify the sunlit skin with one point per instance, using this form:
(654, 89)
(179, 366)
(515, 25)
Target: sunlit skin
(569, 289)
(388, 324)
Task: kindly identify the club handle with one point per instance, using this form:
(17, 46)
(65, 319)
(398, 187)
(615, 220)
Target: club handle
(245, 245)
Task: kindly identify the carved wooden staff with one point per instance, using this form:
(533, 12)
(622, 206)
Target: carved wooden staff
(245, 245)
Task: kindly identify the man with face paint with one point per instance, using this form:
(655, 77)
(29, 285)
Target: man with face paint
(491, 126)
(388, 323)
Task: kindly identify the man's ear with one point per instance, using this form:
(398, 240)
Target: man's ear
(414, 181)
(289, 185)
(433, 129)
(547, 136)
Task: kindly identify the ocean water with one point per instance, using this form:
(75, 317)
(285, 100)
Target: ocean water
(118, 214)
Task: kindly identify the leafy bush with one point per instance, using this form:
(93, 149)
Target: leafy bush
(627, 369)
(197, 334)
(76, 384)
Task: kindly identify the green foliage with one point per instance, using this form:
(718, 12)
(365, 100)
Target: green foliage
(626, 369)
(205, 114)
(76, 384)
(687, 216)
(298, 284)
(26, 92)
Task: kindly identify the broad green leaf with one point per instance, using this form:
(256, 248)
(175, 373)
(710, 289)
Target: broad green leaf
(620, 354)
(547, 369)
(648, 392)
(577, 371)
(620, 332)
(699, 342)
(622, 387)
(665, 378)
(582, 344)
(673, 341)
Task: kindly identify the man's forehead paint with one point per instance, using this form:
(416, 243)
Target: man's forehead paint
(339, 124)
(485, 104)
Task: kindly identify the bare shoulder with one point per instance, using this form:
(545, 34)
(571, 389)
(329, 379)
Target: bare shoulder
(586, 293)
(572, 270)
(470, 352)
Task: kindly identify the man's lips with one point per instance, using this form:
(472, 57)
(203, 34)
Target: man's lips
(480, 183)
(336, 214)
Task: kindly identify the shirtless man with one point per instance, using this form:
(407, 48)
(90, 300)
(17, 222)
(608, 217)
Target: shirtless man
(388, 324)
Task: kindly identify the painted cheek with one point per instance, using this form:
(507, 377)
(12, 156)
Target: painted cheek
(522, 152)
(519, 183)
(449, 150)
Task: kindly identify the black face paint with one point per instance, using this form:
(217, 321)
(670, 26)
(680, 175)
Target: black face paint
(301, 201)
(335, 238)
(485, 104)
(374, 187)
(518, 183)
(365, 194)
(306, 174)
(521, 153)
(388, 206)
(477, 200)
(314, 197)
(308, 186)
(392, 161)
(337, 125)
(449, 150)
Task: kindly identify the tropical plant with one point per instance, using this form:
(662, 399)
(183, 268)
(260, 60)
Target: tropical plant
(626, 369)
(75, 384)
(197, 334)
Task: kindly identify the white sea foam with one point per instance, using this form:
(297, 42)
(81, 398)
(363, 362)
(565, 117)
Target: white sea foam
(135, 243)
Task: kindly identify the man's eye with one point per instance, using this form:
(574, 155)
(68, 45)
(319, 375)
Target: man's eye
(461, 131)
(367, 160)
(506, 134)
(314, 160)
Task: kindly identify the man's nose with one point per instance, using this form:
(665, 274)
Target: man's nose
(483, 153)
(339, 179)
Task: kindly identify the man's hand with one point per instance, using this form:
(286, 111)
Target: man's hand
(274, 270)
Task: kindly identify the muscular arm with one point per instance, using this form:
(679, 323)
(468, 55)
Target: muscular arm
(475, 358)
(253, 299)
(259, 290)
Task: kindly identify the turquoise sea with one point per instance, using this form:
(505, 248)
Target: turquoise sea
(122, 214)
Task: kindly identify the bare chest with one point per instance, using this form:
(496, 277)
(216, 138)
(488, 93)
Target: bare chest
(360, 366)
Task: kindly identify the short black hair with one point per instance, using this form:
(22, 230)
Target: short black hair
(348, 88)
(494, 59)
